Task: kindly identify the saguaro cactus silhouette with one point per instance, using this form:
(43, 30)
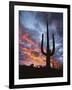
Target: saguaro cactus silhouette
(48, 52)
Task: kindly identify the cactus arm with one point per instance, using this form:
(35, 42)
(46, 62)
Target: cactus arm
(42, 45)
(53, 50)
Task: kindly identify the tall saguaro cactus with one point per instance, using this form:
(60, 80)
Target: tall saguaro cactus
(48, 52)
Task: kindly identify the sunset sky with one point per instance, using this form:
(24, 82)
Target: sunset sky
(32, 25)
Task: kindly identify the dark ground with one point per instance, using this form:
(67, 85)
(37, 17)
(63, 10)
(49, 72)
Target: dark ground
(43, 72)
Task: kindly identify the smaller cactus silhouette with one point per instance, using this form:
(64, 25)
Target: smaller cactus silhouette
(48, 52)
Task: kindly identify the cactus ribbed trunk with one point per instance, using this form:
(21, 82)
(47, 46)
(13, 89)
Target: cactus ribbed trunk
(48, 60)
(48, 54)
